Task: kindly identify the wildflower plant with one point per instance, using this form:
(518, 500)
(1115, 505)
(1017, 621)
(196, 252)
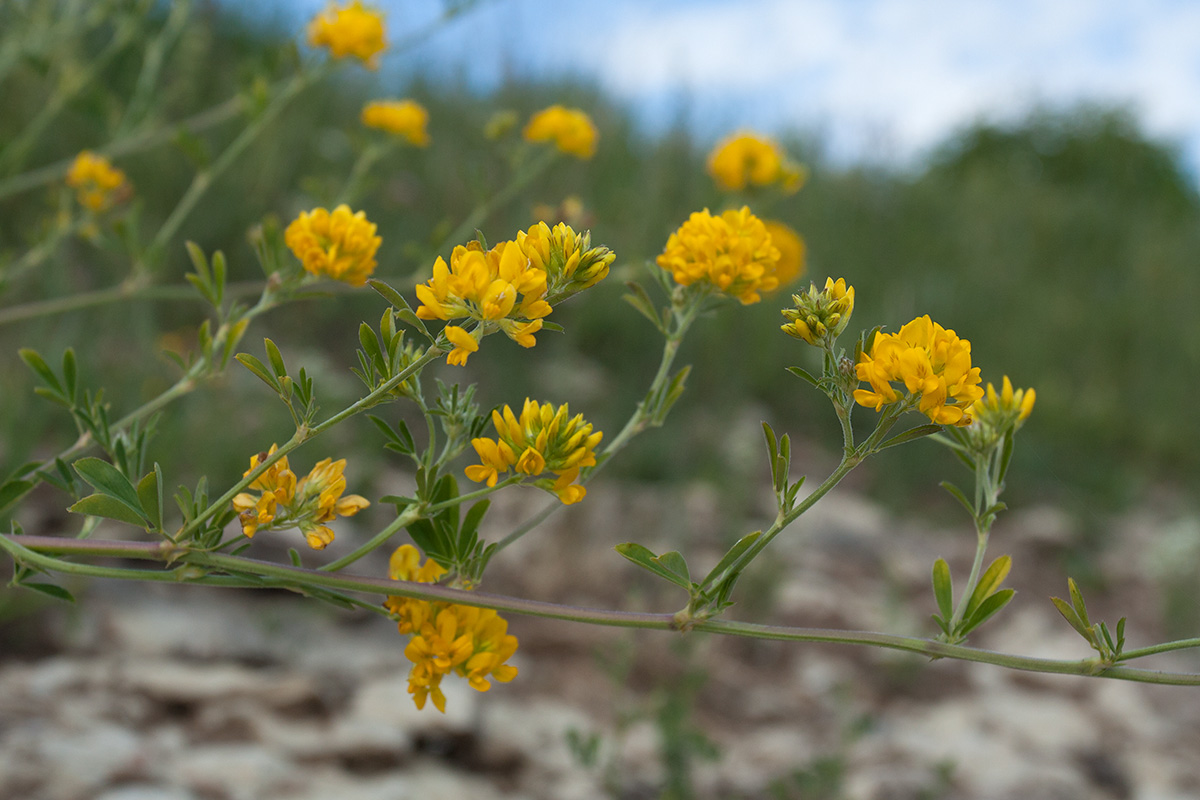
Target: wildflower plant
(919, 382)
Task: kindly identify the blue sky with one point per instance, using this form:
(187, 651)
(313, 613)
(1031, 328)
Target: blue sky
(879, 80)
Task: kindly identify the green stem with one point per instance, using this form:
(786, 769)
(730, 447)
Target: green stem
(303, 435)
(30, 549)
(408, 517)
(367, 159)
(1142, 652)
(476, 495)
(498, 200)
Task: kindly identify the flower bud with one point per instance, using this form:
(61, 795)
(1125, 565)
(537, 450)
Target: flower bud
(819, 317)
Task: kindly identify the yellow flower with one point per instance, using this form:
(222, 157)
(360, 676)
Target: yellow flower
(747, 158)
(306, 504)
(340, 245)
(820, 317)
(499, 288)
(571, 130)
(997, 413)
(404, 118)
(933, 364)
(447, 638)
(791, 251)
(570, 262)
(97, 183)
(732, 252)
(542, 439)
(350, 30)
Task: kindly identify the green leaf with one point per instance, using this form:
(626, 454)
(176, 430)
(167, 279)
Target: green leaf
(941, 623)
(1005, 456)
(294, 556)
(943, 588)
(959, 496)
(150, 494)
(987, 608)
(50, 589)
(258, 368)
(38, 364)
(805, 375)
(70, 374)
(102, 505)
(1077, 601)
(989, 582)
(639, 299)
(674, 561)
(108, 480)
(13, 491)
(276, 359)
(772, 452)
(911, 435)
(645, 558)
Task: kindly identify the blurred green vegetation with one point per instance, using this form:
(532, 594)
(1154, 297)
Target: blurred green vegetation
(1064, 247)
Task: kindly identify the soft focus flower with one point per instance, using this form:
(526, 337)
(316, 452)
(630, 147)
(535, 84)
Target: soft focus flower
(349, 30)
(996, 413)
(820, 317)
(499, 288)
(570, 262)
(97, 183)
(746, 158)
(404, 118)
(571, 130)
(791, 251)
(543, 439)
(306, 504)
(733, 252)
(447, 638)
(933, 364)
(340, 245)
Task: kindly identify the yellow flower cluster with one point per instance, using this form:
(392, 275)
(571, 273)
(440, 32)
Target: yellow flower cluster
(733, 252)
(404, 118)
(97, 183)
(447, 637)
(508, 287)
(349, 30)
(746, 158)
(542, 439)
(307, 503)
(339, 245)
(820, 317)
(996, 413)
(933, 364)
(570, 262)
(791, 251)
(571, 130)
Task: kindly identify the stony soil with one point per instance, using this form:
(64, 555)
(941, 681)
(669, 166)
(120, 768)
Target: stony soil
(152, 692)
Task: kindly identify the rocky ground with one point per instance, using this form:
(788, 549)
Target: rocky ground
(152, 692)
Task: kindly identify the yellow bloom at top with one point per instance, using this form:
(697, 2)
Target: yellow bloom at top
(446, 637)
(349, 30)
(749, 159)
(306, 504)
(339, 245)
(404, 118)
(498, 288)
(932, 363)
(97, 183)
(733, 252)
(542, 439)
(570, 262)
(791, 251)
(571, 130)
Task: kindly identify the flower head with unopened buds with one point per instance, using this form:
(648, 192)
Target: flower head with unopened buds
(819, 317)
(570, 262)
(306, 504)
(732, 252)
(447, 638)
(340, 245)
(997, 413)
(543, 439)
